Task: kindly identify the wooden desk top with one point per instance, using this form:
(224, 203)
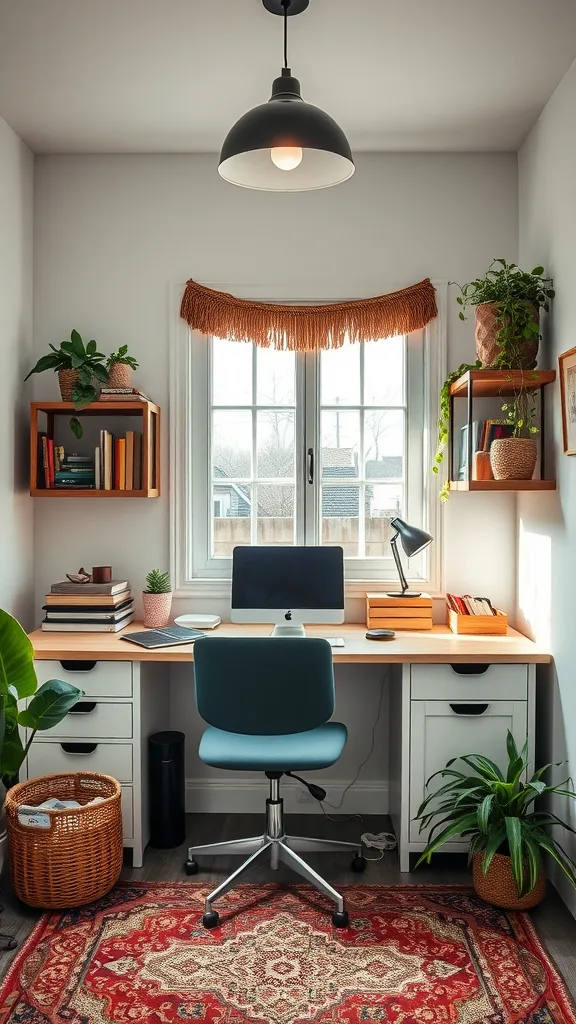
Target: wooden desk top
(437, 645)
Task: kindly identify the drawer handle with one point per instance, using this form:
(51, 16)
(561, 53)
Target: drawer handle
(78, 748)
(469, 709)
(470, 670)
(84, 707)
(78, 666)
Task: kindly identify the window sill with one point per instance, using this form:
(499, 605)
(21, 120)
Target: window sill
(221, 588)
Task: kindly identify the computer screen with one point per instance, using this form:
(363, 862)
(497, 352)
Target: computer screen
(298, 584)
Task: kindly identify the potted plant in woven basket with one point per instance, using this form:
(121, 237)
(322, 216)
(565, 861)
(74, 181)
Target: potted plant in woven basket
(514, 458)
(157, 599)
(119, 366)
(50, 703)
(495, 811)
(77, 366)
(507, 302)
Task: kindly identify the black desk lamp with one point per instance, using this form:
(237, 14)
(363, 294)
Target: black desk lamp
(413, 541)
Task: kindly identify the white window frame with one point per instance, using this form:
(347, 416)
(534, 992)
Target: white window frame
(194, 574)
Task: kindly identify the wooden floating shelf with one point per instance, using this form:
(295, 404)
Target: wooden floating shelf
(502, 485)
(500, 383)
(148, 414)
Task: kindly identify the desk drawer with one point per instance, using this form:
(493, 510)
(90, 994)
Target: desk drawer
(462, 682)
(96, 678)
(49, 758)
(90, 718)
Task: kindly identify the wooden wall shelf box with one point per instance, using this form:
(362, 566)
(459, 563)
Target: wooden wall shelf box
(477, 625)
(396, 612)
(147, 412)
(488, 383)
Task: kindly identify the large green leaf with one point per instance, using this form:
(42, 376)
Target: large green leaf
(12, 751)
(49, 362)
(16, 658)
(514, 837)
(49, 705)
(483, 812)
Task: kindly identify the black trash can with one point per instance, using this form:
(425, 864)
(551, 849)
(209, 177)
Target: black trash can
(166, 789)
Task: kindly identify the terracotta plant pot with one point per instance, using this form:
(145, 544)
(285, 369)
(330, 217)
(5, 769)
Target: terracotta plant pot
(497, 886)
(513, 458)
(67, 379)
(119, 376)
(487, 327)
(156, 609)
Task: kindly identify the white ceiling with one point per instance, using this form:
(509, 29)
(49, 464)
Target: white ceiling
(130, 76)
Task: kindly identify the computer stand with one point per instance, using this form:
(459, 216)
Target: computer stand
(289, 630)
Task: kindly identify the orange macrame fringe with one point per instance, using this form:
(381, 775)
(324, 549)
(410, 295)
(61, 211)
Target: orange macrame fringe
(307, 328)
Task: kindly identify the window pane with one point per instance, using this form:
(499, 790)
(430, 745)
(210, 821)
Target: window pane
(340, 443)
(275, 377)
(384, 371)
(383, 502)
(232, 443)
(340, 375)
(275, 524)
(384, 444)
(275, 443)
(231, 372)
(340, 517)
(232, 504)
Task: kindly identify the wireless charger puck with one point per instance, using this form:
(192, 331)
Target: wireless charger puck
(380, 634)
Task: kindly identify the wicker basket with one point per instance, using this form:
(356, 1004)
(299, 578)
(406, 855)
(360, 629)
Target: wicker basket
(487, 328)
(497, 886)
(77, 857)
(513, 458)
(67, 379)
(120, 376)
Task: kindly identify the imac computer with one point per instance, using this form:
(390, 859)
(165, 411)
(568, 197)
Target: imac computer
(288, 586)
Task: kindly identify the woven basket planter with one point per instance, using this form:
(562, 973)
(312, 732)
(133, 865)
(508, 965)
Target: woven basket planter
(67, 379)
(497, 886)
(513, 458)
(119, 376)
(487, 327)
(156, 609)
(71, 857)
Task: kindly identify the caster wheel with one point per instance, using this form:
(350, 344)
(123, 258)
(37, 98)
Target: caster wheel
(191, 867)
(211, 920)
(340, 919)
(359, 864)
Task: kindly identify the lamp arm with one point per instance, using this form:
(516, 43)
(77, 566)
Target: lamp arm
(394, 546)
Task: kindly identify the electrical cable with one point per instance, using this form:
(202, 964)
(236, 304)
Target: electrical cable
(286, 5)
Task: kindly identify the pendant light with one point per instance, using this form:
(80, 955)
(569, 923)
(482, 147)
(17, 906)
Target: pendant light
(286, 145)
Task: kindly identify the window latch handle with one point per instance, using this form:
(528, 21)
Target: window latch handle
(310, 465)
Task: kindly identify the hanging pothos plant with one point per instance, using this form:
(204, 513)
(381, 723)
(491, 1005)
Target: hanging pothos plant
(444, 421)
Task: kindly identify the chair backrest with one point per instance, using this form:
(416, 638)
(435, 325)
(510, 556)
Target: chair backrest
(264, 685)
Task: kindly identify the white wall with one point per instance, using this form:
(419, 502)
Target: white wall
(547, 523)
(112, 234)
(16, 511)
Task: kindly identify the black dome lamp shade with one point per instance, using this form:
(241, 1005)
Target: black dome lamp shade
(286, 145)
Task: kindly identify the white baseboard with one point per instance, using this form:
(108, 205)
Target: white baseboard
(563, 887)
(241, 796)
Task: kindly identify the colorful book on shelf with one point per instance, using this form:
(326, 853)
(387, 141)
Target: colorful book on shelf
(467, 605)
(129, 460)
(50, 445)
(40, 462)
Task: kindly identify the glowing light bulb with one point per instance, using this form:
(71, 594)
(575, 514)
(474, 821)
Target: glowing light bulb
(286, 158)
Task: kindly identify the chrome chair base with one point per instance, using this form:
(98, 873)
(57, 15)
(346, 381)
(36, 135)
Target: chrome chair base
(281, 849)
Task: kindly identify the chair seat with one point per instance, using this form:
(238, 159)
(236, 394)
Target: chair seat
(315, 748)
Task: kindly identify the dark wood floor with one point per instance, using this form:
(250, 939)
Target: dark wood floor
(554, 923)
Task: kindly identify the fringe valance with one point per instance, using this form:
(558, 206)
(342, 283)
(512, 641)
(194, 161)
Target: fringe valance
(307, 328)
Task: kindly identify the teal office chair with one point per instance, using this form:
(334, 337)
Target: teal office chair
(267, 702)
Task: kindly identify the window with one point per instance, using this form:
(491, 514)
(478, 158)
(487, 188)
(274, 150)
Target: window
(275, 447)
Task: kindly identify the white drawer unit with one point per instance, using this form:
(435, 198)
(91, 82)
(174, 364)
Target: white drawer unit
(49, 757)
(441, 730)
(457, 682)
(96, 678)
(90, 719)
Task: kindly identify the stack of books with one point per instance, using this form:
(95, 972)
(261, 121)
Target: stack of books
(122, 395)
(467, 605)
(474, 616)
(119, 462)
(74, 471)
(88, 607)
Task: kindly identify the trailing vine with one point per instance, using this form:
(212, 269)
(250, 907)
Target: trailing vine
(444, 421)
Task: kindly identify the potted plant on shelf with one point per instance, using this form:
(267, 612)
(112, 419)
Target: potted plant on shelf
(77, 366)
(157, 599)
(495, 811)
(508, 302)
(50, 703)
(514, 458)
(119, 366)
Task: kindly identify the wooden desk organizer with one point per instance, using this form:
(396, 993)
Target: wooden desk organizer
(477, 625)
(384, 612)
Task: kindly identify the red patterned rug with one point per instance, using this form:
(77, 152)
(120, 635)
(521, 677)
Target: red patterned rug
(411, 955)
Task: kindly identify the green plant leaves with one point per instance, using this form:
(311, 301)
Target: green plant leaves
(49, 705)
(158, 582)
(76, 427)
(16, 658)
(49, 362)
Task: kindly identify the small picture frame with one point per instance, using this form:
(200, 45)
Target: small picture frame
(567, 368)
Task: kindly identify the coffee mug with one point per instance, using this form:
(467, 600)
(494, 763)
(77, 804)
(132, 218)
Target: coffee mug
(101, 573)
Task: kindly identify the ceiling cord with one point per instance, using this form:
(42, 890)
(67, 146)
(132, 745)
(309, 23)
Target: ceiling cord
(286, 5)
